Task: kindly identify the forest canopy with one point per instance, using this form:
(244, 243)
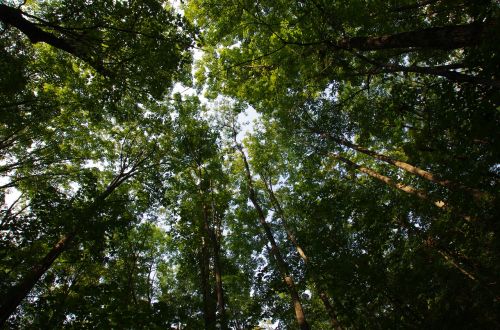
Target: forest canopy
(360, 192)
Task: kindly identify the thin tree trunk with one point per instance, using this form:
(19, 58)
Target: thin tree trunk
(130, 280)
(476, 193)
(214, 247)
(208, 301)
(322, 294)
(388, 181)
(150, 284)
(221, 303)
(329, 309)
(209, 314)
(282, 266)
(432, 244)
(405, 188)
(209, 232)
(446, 37)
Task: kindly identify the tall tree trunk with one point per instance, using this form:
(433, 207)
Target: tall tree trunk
(209, 314)
(282, 266)
(215, 247)
(388, 181)
(221, 304)
(446, 37)
(405, 188)
(208, 302)
(476, 193)
(329, 309)
(17, 293)
(322, 293)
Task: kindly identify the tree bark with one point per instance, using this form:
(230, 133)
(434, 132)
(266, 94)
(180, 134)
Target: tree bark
(437, 71)
(17, 293)
(446, 37)
(221, 304)
(405, 188)
(322, 294)
(330, 310)
(219, 290)
(14, 17)
(282, 266)
(35, 34)
(209, 310)
(476, 193)
(213, 250)
(388, 181)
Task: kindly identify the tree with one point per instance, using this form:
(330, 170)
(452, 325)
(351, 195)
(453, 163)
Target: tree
(363, 195)
(201, 183)
(266, 161)
(282, 266)
(119, 40)
(129, 164)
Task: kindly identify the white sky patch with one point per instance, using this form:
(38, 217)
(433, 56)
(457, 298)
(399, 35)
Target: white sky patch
(248, 119)
(177, 6)
(268, 324)
(183, 90)
(187, 90)
(11, 194)
(307, 294)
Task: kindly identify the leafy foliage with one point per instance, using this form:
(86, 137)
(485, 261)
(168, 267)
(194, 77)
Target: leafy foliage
(365, 194)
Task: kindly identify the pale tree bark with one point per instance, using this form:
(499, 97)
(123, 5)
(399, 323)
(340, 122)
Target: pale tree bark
(322, 293)
(421, 194)
(282, 266)
(476, 193)
(388, 181)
